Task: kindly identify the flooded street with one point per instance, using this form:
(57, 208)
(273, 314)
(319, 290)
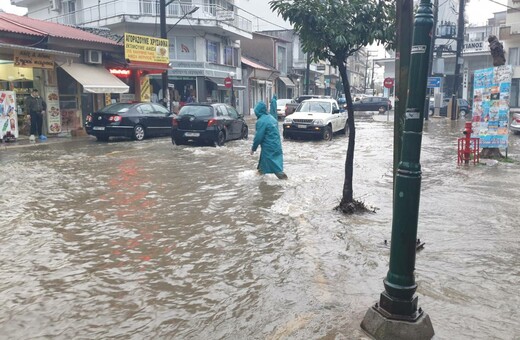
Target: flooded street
(146, 240)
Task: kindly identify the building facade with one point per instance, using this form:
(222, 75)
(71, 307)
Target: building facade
(204, 38)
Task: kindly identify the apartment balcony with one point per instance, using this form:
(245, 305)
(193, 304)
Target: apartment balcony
(212, 17)
(510, 31)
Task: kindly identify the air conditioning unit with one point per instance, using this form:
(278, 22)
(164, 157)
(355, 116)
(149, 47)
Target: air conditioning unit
(93, 57)
(55, 5)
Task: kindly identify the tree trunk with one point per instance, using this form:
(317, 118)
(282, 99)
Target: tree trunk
(347, 198)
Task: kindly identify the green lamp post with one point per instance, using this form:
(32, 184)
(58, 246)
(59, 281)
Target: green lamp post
(397, 315)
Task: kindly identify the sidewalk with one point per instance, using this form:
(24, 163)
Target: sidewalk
(23, 141)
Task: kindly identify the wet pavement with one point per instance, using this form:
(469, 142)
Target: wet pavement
(134, 240)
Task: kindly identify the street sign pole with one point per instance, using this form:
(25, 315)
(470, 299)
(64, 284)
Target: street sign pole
(397, 315)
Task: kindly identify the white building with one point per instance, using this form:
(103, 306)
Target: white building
(204, 45)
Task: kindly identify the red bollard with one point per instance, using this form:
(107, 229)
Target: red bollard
(468, 146)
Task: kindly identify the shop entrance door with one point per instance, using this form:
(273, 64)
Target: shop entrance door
(87, 105)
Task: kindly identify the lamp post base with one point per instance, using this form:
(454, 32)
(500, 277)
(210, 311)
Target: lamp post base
(380, 327)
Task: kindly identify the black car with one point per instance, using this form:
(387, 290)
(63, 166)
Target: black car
(213, 123)
(133, 120)
(379, 104)
(463, 105)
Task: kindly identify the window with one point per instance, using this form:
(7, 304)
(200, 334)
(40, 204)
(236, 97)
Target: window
(69, 9)
(513, 56)
(281, 59)
(212, 51)
(145, 109)
(228, 55)
(232, 112)
(185, 48)
(160, 109)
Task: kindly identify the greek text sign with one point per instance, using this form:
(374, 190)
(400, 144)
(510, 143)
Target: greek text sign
(147, 49)
(33, 59)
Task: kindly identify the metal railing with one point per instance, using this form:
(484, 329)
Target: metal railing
(150, 8)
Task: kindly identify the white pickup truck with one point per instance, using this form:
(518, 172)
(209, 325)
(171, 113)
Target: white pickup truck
(316, 117)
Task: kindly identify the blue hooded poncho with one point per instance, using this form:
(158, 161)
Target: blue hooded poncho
(268, 137)
(274, 107)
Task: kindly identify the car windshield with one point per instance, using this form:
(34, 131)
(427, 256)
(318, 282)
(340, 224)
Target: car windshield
(195, 110)
(315, 107)
(116, 108)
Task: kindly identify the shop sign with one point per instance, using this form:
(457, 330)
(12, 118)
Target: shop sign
(53, 109)
(146, 89)
(118, 72)
(474, 46)
(33, 59)
(147, 49)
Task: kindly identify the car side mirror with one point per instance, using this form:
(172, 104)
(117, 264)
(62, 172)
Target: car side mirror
(335, 111)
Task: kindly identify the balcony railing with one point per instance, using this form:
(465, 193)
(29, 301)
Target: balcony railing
(150, 8)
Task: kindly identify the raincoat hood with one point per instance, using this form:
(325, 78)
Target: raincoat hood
(260, 109)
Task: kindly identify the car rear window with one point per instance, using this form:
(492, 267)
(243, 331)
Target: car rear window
(315, 107)
(197, 111)
(116, 108)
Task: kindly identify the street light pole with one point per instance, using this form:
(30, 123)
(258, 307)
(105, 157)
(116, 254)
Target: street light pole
(233, 100)
(164, 35)
(397, 315)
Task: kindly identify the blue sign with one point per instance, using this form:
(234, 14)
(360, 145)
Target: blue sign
(434, 82)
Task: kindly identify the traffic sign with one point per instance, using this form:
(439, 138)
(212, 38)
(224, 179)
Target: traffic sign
(228, 82)
(389, 83)
(434, 82)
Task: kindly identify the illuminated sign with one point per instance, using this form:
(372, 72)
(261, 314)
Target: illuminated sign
(123, 73)
(147, 49)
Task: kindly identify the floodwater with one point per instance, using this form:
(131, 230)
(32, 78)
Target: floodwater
(144, 240)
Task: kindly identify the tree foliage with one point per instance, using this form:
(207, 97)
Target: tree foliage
(333, 30)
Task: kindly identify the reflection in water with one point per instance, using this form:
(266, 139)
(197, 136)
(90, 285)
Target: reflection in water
(146, 240)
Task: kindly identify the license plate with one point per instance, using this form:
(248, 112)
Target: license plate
(301, 126)
(191, 134)
(100, 128)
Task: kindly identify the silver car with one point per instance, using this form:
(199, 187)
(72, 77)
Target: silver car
(515, 123)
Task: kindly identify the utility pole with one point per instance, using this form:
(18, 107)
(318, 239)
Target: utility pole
(432, 51)
(164, 35)
(397, 315)
(458, 60)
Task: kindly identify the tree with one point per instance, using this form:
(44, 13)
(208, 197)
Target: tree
(334, 30)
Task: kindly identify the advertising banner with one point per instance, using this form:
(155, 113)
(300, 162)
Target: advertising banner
(491, 93)
(53, 109)
(146, 49)
(8, 117)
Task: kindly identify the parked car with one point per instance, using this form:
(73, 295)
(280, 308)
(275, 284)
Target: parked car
(379, 104)
(134, 120)
(212, 123)
(291, 107)
(281, 107)
(463, 104)
(316, 117)
(515, 123)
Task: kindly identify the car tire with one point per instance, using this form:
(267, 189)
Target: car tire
(102, 138)
(382, 110)
(285, 135)
(139, 133)
(430, 112)
(245, 132)
(327, 133)
(221, 138)
(462, 113)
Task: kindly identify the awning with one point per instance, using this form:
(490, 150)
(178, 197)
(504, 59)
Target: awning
(95, 79)
(220, 83)
(287, 81)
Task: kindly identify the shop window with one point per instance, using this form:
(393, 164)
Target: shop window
(212, 51)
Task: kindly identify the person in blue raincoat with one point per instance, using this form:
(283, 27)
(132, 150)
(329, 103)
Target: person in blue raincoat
(267, 137)
(273, 107)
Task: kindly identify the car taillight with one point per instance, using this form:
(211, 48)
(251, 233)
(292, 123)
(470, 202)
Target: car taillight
(517, 120)
(88, 118)
(212, 122)
(114, 118)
